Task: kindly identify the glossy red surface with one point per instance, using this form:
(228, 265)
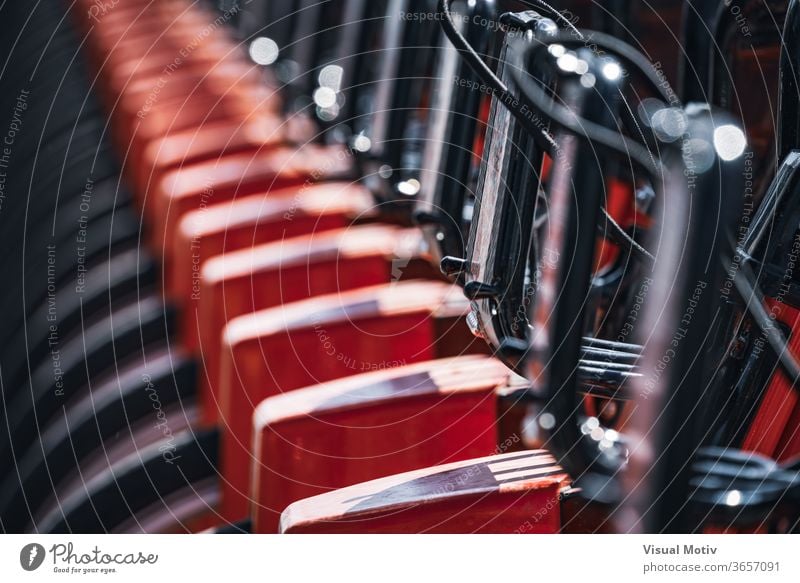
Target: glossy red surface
(324, 338)
(269, 275)
(344, 432)
(199, 185)
(499, 494)
(135, 77)
(256, 219)
(219, 232)
(198, 147)
(772, 432)
(163, 119)
(203, 142)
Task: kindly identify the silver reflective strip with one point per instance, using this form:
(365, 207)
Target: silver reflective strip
(491, 185)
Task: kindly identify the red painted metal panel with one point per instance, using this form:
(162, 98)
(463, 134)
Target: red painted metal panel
(279, 273)
(202, 184)
(317, 340)
(336, 434)
(499, 494)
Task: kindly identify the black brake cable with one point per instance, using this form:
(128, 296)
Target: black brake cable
(485, 73)
(623, 52)
(564, 117)
(624, 239)
(595, 133)
(557, 15)
(614, 141)
(577, 125)
(748, 290)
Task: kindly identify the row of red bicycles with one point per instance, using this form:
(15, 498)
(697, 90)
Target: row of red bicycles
(400, 266)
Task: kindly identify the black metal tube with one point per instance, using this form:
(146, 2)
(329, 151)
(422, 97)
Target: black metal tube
(575, 200)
